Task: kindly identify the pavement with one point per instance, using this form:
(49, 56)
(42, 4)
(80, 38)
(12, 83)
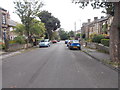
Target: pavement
(4, 54)
(104, 58)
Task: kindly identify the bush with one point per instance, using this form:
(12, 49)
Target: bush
(98, 38)
(89, 40)
(20, 39)
(105, 42)
(92, 35)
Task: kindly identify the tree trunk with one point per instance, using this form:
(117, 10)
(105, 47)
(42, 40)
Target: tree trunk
(115, 35)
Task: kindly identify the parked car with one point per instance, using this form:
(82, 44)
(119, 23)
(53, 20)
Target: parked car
(69, 42)
(58, 40)
(54, 41)
(74, 45)
(66, 41)
(44, 43)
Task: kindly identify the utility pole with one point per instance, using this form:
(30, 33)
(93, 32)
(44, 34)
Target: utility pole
(75, 28)
(80, 29)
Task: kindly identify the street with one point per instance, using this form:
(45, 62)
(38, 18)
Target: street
(56, 67)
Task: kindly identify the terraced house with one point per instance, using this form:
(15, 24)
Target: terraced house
(98, 26)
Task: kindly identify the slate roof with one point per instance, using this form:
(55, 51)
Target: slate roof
(11, 22)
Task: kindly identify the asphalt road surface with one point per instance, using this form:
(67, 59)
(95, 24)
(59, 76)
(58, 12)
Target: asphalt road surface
(56, 67)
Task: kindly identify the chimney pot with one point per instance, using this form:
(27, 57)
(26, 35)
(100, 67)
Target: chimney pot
(95, 18)
(89, 20)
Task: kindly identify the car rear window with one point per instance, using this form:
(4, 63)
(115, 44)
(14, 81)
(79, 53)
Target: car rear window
(42, 41)
(75, 44)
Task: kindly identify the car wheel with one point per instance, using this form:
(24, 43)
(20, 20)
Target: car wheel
(39, 46)
(79, 48)
(70, 48)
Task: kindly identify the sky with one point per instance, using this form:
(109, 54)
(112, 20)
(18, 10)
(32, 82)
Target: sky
(67, 12)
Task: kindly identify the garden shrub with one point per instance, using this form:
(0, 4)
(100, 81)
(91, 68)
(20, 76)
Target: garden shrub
(98, 38)
(20, 39)
(105, 42)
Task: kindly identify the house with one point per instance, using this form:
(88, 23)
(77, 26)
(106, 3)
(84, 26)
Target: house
(5, 24)
(83, 29)
(97, 26)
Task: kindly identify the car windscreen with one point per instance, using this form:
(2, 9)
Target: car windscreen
(46, 40)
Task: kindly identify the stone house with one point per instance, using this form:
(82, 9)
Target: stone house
(98, 26)
(5, 24)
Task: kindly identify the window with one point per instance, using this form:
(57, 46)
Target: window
(3, 19)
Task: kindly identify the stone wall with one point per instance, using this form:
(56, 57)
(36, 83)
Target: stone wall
(97, 46)
(15, 47)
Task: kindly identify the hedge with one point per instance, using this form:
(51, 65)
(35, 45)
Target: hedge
(105, 42)
(98, 38)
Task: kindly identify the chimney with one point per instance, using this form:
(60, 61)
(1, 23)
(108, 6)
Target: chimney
(95, 18)
(89, 20)
(8, 15)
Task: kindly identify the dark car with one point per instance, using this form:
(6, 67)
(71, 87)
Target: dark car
(66, 41)
(74, 45)
(69, 42)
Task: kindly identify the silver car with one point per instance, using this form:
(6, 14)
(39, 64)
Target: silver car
(44, 43)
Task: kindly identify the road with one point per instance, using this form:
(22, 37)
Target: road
(56, 67)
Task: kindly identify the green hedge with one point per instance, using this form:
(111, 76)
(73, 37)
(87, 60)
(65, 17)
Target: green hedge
(20, 39)
(105, 42)
(97, 38)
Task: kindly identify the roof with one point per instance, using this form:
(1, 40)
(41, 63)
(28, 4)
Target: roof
(11, 22)
(2, 9)
(103, 19)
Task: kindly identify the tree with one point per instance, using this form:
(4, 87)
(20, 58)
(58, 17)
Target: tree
(19, 29)
(71, 34)
(51, 23)
(55, 35)
(27, 10)
(78, 35)
(113, 9)
(63, 34)
(37, 29)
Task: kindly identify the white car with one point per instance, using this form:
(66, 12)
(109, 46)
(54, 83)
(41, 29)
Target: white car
(44, 43)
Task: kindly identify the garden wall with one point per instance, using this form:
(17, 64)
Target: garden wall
(97, 46)
(15, 47)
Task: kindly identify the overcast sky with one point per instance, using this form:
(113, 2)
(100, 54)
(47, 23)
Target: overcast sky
(67, 12)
